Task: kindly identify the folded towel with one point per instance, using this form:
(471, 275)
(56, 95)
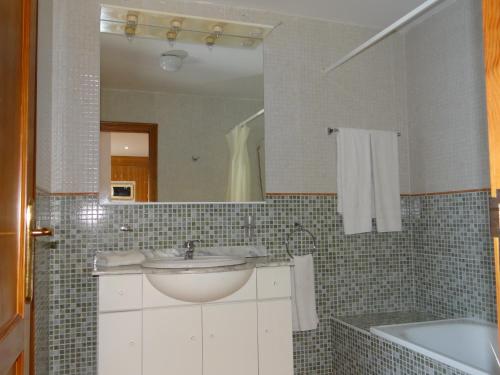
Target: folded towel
(304, 316)
(241, 251)
(119, 258)
(385, 167)
(354, 180)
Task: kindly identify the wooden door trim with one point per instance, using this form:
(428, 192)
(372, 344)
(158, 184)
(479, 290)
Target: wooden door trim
(491, 35)
(152, 131)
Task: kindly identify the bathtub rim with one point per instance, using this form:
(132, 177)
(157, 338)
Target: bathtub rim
(438, 356)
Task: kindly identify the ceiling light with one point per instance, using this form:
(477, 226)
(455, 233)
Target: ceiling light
(125, 147)
(171, 61)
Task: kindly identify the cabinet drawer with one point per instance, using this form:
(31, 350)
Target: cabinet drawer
(273, 282)
(120, 292)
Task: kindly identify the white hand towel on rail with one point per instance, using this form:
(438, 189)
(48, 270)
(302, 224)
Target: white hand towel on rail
(385, 167)
(304, 315)
(354, 180)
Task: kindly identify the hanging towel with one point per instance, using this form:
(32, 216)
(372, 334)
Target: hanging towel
(354, 180)
(239, 176)
(385, 167)
(304, 316)
(119, 258)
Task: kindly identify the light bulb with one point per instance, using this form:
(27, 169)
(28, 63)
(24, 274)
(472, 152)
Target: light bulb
(171, 37)
(210, 41)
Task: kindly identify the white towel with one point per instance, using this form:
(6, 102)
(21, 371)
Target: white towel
(385, 167)
(354, 180)
(304, 316)
(119, 258)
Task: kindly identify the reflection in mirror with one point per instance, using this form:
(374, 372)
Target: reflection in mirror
(199, 84)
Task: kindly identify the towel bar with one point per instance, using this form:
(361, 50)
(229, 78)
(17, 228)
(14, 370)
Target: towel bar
(299, 228)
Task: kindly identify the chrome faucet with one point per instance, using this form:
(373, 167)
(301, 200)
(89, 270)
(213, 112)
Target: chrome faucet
(189, 245)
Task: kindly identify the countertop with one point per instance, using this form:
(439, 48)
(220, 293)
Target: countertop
(257, 262)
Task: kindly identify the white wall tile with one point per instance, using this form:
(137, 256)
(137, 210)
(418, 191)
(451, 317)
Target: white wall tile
(446, 104)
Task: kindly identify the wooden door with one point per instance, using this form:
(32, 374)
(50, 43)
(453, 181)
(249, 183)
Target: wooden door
(491, 28)
(17, 111)
(152, 131)
(230, 339)
(132, 168)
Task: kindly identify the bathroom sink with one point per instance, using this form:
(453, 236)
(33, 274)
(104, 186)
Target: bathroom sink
(196, 262)
(202, 279)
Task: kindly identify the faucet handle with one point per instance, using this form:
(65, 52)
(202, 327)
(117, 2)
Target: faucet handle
(190, 243)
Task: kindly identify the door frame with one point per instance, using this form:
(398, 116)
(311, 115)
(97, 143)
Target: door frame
(152, 131)
(491, 37)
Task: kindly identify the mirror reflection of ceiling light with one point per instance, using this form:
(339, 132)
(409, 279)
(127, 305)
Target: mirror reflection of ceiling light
(171, 61)
(125, 147)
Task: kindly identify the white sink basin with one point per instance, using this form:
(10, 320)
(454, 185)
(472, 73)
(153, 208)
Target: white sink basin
(191, 281)
(196, 262)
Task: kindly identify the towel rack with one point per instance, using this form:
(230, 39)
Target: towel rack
(299, 228)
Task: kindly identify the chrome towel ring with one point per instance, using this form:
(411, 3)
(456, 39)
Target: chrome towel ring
(299, 228)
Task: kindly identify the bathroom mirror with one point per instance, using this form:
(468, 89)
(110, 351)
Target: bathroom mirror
(182, 103)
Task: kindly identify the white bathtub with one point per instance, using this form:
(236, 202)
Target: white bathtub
(465, 344)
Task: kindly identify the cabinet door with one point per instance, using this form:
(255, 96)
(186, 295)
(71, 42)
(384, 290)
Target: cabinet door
(172, 341)
(230, 339)
(275, 337)
(120, 343)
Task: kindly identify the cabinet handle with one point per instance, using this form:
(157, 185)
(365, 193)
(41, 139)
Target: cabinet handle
(121, 292)
(193, 338)
(275, 283)
(266, 331)
(131, 343)
(212, 336)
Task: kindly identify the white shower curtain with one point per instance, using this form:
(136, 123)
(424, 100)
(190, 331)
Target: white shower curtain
(239, 179)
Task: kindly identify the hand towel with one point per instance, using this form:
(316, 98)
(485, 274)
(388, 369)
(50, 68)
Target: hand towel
(304, 316)
(119, 258)
(385, 167)
(354, 180)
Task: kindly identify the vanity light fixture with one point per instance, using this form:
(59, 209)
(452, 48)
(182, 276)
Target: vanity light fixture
(171, 37)
(247, 43)
(131, 25)
(176, 25)
(217, 31)
(210, 41)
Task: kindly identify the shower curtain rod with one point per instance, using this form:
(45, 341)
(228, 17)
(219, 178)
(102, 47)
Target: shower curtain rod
(251, 118)
(384, 33)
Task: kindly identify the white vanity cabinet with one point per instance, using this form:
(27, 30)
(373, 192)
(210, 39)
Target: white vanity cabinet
(148, 333)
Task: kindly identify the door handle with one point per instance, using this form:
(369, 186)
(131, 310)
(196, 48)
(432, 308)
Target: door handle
(42, 232)
(30, 235)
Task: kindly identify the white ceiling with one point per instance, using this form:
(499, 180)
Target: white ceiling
(129, 144)
(222, 71)
(370, 13)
